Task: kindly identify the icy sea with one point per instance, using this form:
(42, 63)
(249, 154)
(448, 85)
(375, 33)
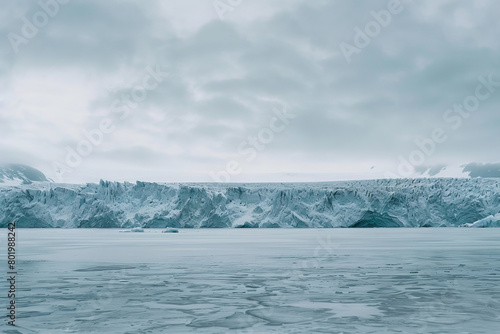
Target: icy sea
(436, 280)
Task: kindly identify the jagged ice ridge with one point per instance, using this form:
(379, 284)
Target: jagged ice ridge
(374, 203)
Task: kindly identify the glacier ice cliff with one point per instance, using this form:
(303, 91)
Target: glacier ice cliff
(374, 203)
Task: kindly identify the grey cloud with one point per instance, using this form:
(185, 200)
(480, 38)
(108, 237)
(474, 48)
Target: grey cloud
(483, 170)
(224, 74)
(431, 170)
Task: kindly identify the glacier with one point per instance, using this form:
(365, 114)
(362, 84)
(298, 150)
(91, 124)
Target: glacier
(371, 203)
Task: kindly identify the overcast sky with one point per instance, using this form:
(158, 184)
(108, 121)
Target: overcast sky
(177, 87)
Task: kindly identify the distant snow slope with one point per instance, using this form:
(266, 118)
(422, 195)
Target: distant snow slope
(15, 174)
(376, 203)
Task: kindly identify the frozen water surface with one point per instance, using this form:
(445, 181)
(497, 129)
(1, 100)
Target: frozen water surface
(257, 281)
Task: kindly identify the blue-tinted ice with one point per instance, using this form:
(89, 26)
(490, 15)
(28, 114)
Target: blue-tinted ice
(258, 281)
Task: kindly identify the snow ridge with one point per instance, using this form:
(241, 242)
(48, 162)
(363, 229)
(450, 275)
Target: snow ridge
(16, 174)
(373, 203)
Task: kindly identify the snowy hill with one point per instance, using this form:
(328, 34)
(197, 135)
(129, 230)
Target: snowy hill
(15, 174)
(375, 203)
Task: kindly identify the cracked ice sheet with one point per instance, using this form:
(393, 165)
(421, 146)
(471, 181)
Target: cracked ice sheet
(258, 281)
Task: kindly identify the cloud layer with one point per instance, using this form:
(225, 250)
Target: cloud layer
(227, 76)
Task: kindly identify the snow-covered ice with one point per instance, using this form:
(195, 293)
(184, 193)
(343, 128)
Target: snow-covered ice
(490, 221)
(170, 230)
(372, 203)
(438, 280)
